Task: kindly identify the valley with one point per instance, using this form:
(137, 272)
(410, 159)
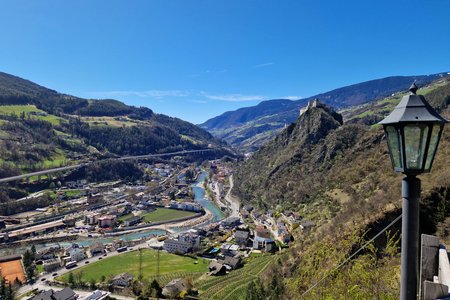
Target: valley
(193, 217)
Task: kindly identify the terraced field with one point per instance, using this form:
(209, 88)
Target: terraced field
(233, 285)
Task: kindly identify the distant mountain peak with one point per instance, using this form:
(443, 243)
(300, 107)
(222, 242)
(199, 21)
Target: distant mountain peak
(249, 128)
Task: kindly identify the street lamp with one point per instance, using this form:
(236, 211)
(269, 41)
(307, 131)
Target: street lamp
(413, 130)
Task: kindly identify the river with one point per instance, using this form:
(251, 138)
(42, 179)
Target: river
(199, 196)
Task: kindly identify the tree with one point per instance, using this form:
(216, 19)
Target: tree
(136, 287)
(30, 270)
(71, 280)
(255, 291)
(79, 278)
(154, 290)
(92, 285)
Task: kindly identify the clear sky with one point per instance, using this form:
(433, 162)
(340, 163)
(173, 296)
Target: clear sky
(197, 59)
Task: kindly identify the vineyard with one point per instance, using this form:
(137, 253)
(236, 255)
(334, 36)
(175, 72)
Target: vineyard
(166, 278)
(233, 285)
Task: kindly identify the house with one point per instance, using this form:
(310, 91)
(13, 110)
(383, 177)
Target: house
(229, 250)
(231, 262)
(96, 249)
(71, 247)
(76, 254)
(51, 264)
(96, 295)
(64, 294)
(133, 221)
(242, 236)
(47, 253)
(261, 243)
(216, 269)
(262, 231)
(174, 288)
(122, 280)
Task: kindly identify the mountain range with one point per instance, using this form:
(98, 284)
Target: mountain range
(250, 127)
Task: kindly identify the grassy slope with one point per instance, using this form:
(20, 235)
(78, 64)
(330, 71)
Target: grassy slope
(170, 264)
(28, 109)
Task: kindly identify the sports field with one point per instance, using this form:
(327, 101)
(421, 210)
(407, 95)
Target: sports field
(169, 265)
(11, 270)
(162, 214)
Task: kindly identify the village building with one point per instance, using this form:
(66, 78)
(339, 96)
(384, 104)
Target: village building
(122, 281)
(231, 263)
(133, 221)
(97, 295)
(46, 253)
(91, 219)
(74, 253)
(174, 288)
(64, 294)
(51, 264)
(185, 243)
(106, 221)
(217, 269)
(242, 236)
(229, 250)
(96, 249)
(265, 244)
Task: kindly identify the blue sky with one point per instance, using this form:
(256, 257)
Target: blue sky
(197, 59)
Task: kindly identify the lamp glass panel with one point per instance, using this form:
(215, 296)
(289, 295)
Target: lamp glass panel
(393, 139)
(433, 146)
(415, 143)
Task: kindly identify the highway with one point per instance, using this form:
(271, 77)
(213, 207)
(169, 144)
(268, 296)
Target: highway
(137, 157)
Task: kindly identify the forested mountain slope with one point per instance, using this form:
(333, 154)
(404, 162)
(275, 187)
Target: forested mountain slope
(41, 128)
(338, 174)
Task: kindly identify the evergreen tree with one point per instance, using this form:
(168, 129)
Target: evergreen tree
(255, 291)
(2, 287)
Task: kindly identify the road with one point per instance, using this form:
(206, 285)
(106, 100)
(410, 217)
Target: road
(61, 169)
(234, 203)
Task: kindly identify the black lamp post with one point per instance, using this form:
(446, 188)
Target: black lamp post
(413, 130)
